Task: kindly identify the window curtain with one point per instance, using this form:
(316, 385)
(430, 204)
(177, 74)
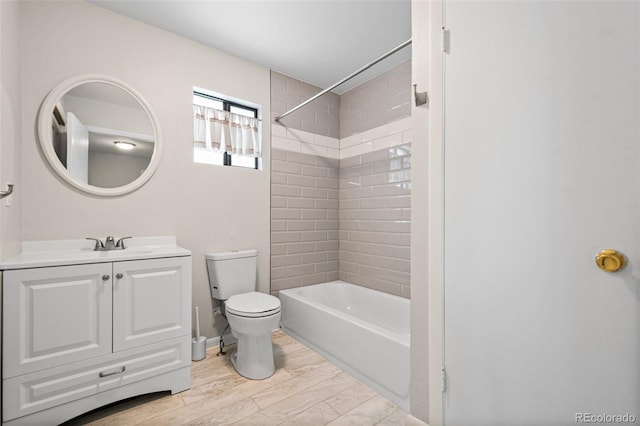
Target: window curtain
(224, 131)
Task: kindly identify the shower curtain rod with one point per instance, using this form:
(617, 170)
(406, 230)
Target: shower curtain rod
(364, 68)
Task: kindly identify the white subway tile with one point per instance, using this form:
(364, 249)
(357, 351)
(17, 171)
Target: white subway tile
(279, 131)
(307, 148)
(333, 153)
(288, 145)
(327, 141)
(407, 136)
(345, 153)
(301, 136)
(350, 141)
(399, 125)
(375, 133)
(362, 148)
(387, 141)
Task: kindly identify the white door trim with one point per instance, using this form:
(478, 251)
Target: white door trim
(436, 203)
(427, 214)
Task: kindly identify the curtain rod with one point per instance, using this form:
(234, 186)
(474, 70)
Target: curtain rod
(364, 68)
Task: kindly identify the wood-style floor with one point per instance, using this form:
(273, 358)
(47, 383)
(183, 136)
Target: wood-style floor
(305, 390)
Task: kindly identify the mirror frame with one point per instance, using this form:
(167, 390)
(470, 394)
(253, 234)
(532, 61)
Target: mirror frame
(45, 122)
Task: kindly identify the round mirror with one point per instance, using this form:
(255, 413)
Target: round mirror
(99, 135)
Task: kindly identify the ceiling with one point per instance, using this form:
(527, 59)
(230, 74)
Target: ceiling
(317, 41)
(104, 143)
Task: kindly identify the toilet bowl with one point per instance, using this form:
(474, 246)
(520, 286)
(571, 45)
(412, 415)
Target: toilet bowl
(252, 316)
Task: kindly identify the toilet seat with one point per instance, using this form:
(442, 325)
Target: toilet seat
(252, 305)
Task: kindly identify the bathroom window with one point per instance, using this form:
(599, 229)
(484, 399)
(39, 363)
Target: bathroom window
(226, 131)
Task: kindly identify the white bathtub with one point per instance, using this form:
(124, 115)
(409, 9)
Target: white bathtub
(364, 332)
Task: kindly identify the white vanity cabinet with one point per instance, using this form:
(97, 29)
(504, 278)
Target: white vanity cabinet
(76, 337)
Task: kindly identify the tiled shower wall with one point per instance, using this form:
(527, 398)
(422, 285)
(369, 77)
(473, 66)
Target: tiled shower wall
(377, 102)
(341, 207)
(304, 213)
(321, 117)
(346, 218)
(375, 208)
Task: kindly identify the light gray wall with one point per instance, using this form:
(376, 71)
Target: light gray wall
(209, 208)
(10, 133)
(379, 101)
(108, 170)
(10, 128)
(320, 117)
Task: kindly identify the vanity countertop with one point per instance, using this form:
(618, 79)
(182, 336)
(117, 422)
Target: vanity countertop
(38, 254)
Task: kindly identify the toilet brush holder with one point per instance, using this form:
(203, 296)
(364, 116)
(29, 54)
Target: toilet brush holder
(198, 348)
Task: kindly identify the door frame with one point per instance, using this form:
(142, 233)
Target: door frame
(435, 214)
(427, 214)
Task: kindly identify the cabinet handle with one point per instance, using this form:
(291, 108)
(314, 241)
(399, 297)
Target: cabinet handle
(105, 277)
(119, 276)
(121, 370)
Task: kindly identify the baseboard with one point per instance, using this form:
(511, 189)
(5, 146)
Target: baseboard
(413, 421)
(214, 342)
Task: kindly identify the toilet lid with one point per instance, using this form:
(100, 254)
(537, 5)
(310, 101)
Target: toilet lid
(253, 304)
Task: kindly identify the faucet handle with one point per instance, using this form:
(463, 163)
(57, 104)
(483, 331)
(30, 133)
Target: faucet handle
(99, 244)
(120, 243)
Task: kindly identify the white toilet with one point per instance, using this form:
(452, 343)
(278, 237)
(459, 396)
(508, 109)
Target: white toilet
(252, 316)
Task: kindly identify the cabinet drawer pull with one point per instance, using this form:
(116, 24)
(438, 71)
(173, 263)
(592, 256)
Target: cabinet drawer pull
(105, 277)
(119, 276)
(121, 370)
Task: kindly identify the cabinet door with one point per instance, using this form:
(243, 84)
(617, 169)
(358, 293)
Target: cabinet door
(54, 316)
(151, 301)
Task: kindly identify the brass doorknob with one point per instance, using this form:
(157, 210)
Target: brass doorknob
(610, 260)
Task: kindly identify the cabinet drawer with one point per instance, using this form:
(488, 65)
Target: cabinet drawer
(37, 391)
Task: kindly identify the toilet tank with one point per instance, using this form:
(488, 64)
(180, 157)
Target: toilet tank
(232, 272)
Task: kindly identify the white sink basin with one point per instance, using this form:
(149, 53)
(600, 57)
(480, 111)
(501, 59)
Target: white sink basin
(92, 254)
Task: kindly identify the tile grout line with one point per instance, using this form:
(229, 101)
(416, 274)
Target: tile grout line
(313, 384)
(322, 370)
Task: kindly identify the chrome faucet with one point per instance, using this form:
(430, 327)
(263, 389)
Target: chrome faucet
(109, 244)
